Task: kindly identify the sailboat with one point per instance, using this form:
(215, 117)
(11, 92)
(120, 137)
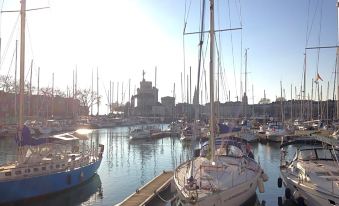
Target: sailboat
(225, 172)
(48, 165)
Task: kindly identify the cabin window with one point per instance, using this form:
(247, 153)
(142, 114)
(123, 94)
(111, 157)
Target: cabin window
(307, 155)
(27, 170)
(324, 154)
(36, 169)
(43, 168)
(8, 174)
(57, 166)
(63, 165)
(51, 167)
(18, 172)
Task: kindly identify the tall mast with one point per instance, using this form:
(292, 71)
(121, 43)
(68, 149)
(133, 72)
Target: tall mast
(38, 93)
(337, 57)
(190, 95)
(97, 91)
(22, 62)
(15, 83)
(30, 89)
(291, 104)
(92, 96)
(155, 77)
(53, 94)
(110, 97)
(212, 121)
(305, 78)
(281, 103)
(122, 92)
(245, 95)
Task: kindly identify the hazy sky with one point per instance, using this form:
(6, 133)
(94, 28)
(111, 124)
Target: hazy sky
(122, 38)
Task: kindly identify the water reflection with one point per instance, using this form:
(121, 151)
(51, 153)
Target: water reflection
(127, 165)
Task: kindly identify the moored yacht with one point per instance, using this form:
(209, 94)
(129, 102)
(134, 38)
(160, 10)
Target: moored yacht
(312, 176)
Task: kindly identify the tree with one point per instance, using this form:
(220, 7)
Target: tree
(6, 83)
(86, 98)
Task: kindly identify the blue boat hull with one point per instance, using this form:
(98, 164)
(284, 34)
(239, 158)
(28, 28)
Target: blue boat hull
(16, 190)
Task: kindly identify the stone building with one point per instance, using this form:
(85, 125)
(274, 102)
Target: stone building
(145, 99)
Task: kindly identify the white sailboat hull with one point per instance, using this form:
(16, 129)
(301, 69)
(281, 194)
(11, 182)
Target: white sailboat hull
(233, 196)
(230, 183)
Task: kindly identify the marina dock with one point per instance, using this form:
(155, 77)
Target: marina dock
(147, 192)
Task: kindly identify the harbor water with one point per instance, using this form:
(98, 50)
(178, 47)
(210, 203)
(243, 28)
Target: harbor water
(127, 165)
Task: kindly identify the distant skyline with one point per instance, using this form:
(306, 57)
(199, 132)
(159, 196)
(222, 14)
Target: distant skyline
(123, 38)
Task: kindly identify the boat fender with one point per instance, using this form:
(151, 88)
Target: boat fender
(288, 193)
(264, 176)
(296, 194)
(279, 182)
(261, 185)
(280, 201)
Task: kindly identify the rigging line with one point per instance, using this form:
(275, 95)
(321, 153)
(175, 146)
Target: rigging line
(201, 40)
(307, 24)
(29, 37)
(239, 12)
(9, 41)
(187, 11)
(2, 6)
(230, 22)
(319, 35)
(10, 65)
(313, 19)
(206, 91)
(220, 68)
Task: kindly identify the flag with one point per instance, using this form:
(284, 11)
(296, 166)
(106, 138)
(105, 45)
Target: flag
(318, 77)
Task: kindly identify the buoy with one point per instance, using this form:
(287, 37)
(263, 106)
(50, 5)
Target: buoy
(279, 182)
(261, 185)
(288, 193)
